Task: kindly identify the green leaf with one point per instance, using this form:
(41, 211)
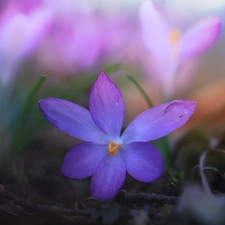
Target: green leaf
(21, 127)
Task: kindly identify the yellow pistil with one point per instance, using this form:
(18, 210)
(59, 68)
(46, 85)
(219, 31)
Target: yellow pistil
(113, 148)
(174, 36)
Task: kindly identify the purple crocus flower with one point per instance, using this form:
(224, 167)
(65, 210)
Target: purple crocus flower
(22, 27)
(106, 154)
(169, 48)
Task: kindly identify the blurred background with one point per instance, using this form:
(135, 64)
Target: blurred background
(56, 48)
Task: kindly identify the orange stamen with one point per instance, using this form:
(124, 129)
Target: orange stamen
(174, 36)
(113, 148)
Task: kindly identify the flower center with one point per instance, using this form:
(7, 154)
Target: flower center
(174, 36)
(113, 148)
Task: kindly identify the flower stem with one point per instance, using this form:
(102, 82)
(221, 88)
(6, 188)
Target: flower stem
(163, 146)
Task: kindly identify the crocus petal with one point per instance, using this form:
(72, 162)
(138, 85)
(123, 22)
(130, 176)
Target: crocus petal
(72, 119)
(106, 106)
(108, 178)
(199, 37)
(142, 161)
(159, 121)
(155, 32)
(82, 160)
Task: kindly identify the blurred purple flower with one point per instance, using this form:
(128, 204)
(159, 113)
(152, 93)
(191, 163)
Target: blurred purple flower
(169, 48)
(106, 155)
(59, 38)
(78, 42)
(22, 26)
